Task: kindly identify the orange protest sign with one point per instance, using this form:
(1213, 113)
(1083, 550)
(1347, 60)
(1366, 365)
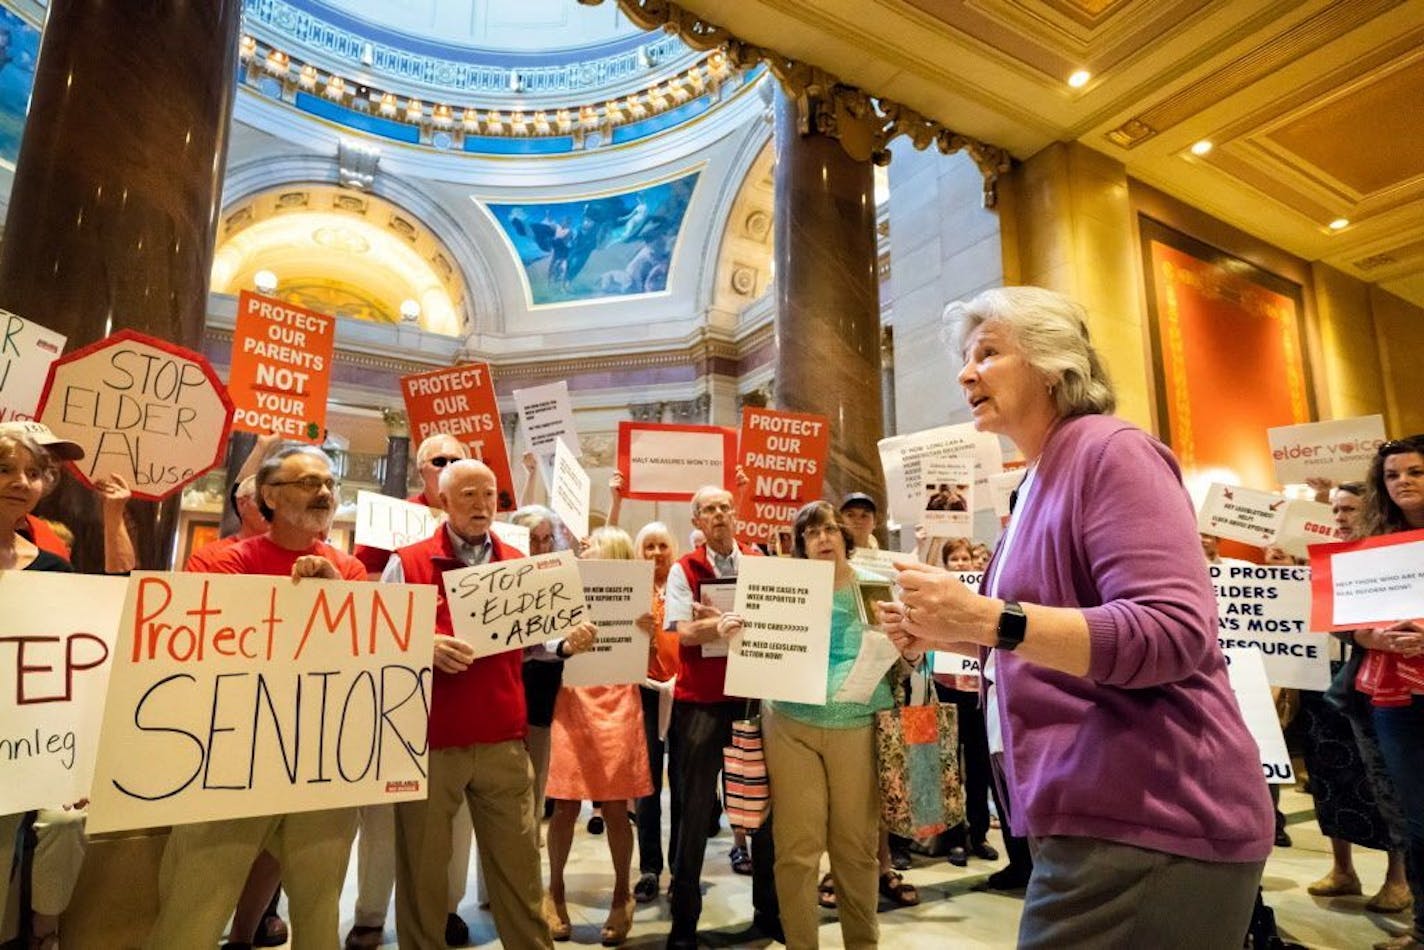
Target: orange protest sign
(460, 402)
(784, 455)
(281, 368)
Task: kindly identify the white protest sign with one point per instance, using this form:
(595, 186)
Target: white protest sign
(509, 605)
(389, 523)
(1241, 514)
(1339, 449)
(1001, 489)
(26, 352)
(239, 695)
(1268, 608)
(783, 649)
(56, 640)
(948, 663)
(1376, 584)
(903, 458)
(664, 462)
(569, 491)
(514, 535)
(547, 417)
(617, 594)
(1304, 523)
(880, 563)
(1253, 695)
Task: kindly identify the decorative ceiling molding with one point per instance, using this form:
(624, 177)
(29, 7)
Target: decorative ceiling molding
(1302, 39)
(863, 123)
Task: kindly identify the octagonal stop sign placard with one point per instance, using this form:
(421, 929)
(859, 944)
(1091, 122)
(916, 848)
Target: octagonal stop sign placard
(150, 411)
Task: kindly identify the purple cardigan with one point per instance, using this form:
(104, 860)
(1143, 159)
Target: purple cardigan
(1149, 749)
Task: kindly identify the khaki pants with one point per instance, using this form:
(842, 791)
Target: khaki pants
(205, 865)
(497, 781)
(824, 798)
(60, 843)
(376, 862)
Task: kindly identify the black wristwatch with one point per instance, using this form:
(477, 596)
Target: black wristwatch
(1012, 626)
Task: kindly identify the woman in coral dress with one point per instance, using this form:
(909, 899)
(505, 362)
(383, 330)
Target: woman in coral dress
(599, 755)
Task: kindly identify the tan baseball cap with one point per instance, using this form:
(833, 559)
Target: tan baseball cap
(60, 448)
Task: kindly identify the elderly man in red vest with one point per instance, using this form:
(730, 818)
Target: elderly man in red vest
(702, 717)
(477, 729)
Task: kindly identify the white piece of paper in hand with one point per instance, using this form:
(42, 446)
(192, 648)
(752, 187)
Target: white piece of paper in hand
(877, 654)
(617, 594)
(547, 417)
(1247, 671)
(783, 649)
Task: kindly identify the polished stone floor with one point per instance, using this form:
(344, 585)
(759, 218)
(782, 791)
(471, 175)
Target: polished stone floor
(951, 912)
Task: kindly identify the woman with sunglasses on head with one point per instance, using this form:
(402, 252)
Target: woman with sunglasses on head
(1392, 671)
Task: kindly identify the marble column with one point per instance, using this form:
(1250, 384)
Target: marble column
(117, 194)
(397, 474)
(828, 296)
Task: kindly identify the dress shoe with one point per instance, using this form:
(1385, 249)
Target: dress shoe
(1390, 900)
(1336, 884)
(1007, 879)
(958, 857)
(900, 858)
(364, 938)
(556, 915)
(769, 926)
(619, 922)
(595, 825)
(457, 932)
(646, 890)
(1283, 839)
(984, 850)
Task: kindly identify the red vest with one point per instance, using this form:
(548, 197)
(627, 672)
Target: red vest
(485, 703)
(701, 678)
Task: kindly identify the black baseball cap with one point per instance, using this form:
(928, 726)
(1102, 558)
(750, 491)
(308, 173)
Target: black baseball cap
(859, 499)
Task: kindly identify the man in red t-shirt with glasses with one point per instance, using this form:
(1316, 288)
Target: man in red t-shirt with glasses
(205, 864)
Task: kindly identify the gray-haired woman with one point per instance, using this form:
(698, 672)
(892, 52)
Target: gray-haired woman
(1126, 759)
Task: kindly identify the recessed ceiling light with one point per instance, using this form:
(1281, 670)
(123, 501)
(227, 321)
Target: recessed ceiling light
(1202, 147)
(1339, 224)
(1079, 79)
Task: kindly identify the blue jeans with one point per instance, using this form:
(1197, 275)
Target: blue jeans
(1400, 730)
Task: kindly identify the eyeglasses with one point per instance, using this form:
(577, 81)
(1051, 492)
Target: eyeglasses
(440, 461)
(309, 483)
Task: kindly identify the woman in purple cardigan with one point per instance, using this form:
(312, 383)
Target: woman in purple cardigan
(1126, 760)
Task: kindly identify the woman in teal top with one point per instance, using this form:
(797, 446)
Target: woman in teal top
(821, 765)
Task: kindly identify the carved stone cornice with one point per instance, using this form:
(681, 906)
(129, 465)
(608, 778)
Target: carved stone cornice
(863, 123)
(646, 411)
(397, 425)
(695, 411)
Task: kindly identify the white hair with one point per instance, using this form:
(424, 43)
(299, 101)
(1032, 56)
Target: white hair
(448, 473)
(1052, 331)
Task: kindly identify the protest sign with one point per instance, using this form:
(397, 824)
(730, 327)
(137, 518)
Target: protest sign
(546, 415)
(281, 368)
(1253, 694)
(514, 535)
(26, 352)
(390, 523)
(670, 462)
(1241, 514)
(240, 695)
(910, 462)
(1339, 449)
(947, 663)
(147, 410)
(569, 491)
(55, 655)
(1368, 583)
(1305, 522)
(460, 402)
(1268, 608)
(880, 562)
(784, 455)
(509, 605)
(783, 649)
(617, 594)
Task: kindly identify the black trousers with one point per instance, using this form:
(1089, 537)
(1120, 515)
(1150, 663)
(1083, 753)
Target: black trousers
(699, 733)
(650, 807)
(974, 763)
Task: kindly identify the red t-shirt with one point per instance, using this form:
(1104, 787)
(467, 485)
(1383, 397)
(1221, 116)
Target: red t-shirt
(260, 555)
(201, 560)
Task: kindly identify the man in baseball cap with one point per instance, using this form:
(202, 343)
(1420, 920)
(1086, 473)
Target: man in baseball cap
(858, 513)
(62, 449)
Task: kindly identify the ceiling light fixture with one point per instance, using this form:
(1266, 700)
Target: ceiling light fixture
(1339, 224)
(1201, 147)
(265, 281)
(1079, 79)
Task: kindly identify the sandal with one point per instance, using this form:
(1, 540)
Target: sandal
(893, 886)
(826, 892)
(741, 860)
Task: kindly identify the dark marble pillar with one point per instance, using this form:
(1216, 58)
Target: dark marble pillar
(828, 303)
(397, 466)
(117, 194)
(239, 447)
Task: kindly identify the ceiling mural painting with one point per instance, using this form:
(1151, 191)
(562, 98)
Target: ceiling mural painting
(19, 48)
(597, 246)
